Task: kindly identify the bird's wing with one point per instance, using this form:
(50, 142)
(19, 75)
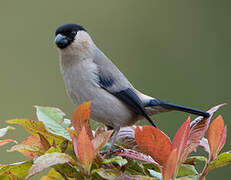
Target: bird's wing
(114, 82)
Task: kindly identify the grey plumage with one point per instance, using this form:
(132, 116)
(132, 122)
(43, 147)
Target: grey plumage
(90, 76)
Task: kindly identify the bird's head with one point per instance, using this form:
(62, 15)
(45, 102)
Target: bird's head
(73, 39)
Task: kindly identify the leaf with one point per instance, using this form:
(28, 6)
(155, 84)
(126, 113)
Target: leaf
(135, 177)
(52, 175)
(117, 159)
(81, 118)
(193, 160)
(100, 140)
(27, 150)
(30, 147)
(210, 111)
(3, 131)
(129, 153)
(222, 160)
(44, 142)
(15, 171)
(3, 142)
(100, 129)
(169, 166)
(53, 118)
(155, 174)
(186, 170)
(204, 145)
(153, 142)
(109, 174)
(85, 149)
(69, 171)
(35, 127)
(180, 140)
(198, 127)
(216, 136)
(48, 160)
(126, 138)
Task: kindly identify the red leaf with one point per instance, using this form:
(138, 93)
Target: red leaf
(180, 140)
(153, 142)
(85, 149)
(198, 127)
(81, 118)
(132, 154)
(216, 137)
(170, 166)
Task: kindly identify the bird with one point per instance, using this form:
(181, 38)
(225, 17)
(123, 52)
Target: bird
(89, 75)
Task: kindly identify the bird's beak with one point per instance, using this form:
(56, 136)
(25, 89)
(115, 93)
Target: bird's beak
(61, 41)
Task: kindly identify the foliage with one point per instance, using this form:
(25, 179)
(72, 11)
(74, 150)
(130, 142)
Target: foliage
(73, 152)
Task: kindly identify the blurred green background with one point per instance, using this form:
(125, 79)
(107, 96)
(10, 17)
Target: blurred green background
(177, 51)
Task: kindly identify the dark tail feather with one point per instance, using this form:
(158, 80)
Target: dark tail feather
(176, 107)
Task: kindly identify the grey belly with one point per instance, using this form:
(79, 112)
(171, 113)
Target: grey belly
(106, 108)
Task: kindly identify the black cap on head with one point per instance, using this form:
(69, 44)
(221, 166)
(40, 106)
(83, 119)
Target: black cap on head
(67, 29)
(65, 34)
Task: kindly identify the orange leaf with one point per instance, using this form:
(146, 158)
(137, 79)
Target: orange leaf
(100, 129)
(81, 118)
(223, 139)
(44, 142)
(170, 166)
(3, 142)
(153, 142)
(85, 149)
(216, 136)
(100, 140)
(34, 142)
(180, 140)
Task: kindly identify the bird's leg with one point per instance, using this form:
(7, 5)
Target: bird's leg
(110, 148)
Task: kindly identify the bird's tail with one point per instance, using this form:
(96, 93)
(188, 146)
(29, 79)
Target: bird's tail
(170, 106)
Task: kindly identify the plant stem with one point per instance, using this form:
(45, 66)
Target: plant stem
(205, 170)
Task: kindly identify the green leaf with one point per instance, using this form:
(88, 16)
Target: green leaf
(69, 171)
(48, 160)
(15, 171)
(35, 127)
(134, 168)
(117, 159)
(109, 174)
(53, 149)
(189, 178)
(53, 119)
(3, 131)
(186, 170)
(52, 174)
(155, 174)
(136, 177)
(222, 160)
(23, 148)
(193, 160)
